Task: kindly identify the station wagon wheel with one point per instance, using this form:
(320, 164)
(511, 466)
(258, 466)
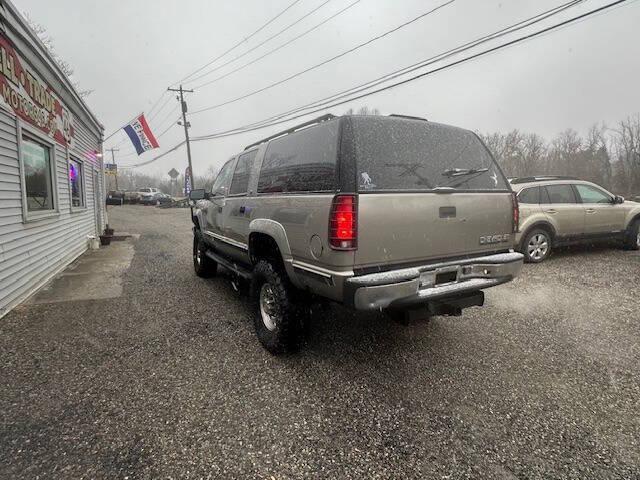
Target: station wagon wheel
(537, 246)
(632, 241)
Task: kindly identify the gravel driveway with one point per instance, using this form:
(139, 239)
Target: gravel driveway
(169, 381)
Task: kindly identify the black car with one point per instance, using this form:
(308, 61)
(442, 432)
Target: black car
(115, 197)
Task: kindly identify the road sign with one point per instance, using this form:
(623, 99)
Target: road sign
(173, 173)
(110, 169)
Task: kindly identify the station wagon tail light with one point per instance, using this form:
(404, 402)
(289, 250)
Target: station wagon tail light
(343, 223)
(516, 212)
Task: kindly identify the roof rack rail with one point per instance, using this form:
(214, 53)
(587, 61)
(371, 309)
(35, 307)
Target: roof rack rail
(410, 117)
(321, 119)
(541, 178)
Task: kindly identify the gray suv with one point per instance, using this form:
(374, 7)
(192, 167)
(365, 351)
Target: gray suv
(378, 213)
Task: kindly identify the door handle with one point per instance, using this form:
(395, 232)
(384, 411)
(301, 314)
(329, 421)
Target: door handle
(551, 211)
(243, 209)
(591, 210)
(220, 209)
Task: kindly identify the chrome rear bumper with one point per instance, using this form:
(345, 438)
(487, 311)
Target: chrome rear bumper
(410, 286)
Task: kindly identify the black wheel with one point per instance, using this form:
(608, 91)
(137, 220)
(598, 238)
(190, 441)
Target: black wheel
(203, 265)
(536, 246)
(632, 240)
(276, 316)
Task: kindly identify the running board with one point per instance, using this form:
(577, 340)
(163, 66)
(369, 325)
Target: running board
(235, 268)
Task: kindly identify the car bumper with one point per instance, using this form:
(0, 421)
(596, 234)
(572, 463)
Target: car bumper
(418, 285)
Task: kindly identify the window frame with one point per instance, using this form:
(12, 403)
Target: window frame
(597, 189)
(249, 173)
(83, 190)
(265, 154)
(232, 162)
(571, 188)
(24, 130)
(539, 194)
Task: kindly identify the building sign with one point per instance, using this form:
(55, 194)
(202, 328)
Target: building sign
(110, 169)
(22, 91)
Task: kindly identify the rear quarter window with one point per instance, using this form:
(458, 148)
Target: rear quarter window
(303, 161)
(529, 196)
(400, 154)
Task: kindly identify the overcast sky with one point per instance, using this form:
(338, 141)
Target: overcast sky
(129, 52)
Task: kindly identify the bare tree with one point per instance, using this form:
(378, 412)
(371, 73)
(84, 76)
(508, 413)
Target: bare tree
(626, 141)
(47, 40)
(363, 111)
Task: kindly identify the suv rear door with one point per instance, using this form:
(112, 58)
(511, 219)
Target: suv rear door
(560, 204)
(426, 192)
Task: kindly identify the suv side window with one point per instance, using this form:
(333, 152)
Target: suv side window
(529, 195)
(304, 161)
(560, 194)
(221, 185)
(240, 181)
(590, 194)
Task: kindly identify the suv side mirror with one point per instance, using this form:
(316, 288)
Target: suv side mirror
(618, 199)
(197, 194)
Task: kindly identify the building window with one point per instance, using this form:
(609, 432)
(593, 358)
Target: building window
(36, 159)
(76, 177)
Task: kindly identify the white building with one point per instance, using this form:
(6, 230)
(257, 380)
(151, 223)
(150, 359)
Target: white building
(51, 177)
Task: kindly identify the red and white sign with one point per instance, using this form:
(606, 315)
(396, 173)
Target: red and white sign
(23, 92)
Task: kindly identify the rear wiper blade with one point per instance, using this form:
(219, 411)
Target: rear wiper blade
(459, 172)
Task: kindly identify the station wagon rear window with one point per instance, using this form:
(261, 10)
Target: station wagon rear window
(399, 154)
(303, 161)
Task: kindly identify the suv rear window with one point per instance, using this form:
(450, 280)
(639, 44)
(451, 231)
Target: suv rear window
(303, 161)
(401, 154)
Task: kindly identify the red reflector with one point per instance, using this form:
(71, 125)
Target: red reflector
(343, 229)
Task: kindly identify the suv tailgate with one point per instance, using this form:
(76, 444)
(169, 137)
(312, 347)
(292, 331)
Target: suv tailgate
(426, 192)
(397, 228)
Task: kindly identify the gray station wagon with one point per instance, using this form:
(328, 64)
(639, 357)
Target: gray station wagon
(375, 212)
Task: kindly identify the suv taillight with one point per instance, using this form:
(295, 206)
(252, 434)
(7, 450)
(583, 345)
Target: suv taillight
(516, 212)
(343, 223)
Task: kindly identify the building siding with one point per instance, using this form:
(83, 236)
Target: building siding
(32, 252)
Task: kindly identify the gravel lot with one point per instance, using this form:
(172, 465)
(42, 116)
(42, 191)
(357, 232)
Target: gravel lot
(168, 380)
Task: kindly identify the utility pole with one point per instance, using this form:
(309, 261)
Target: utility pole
(113, 159)
(186, 125)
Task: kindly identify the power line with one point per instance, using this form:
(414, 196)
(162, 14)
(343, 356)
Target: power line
(164, 92)
(237, 44)
(279, 47)
(155, 104)
(260, 44)
(240, 130)
(162, 122)
(488, 51)
(436, 58)
(346, 52)
(154, 115)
